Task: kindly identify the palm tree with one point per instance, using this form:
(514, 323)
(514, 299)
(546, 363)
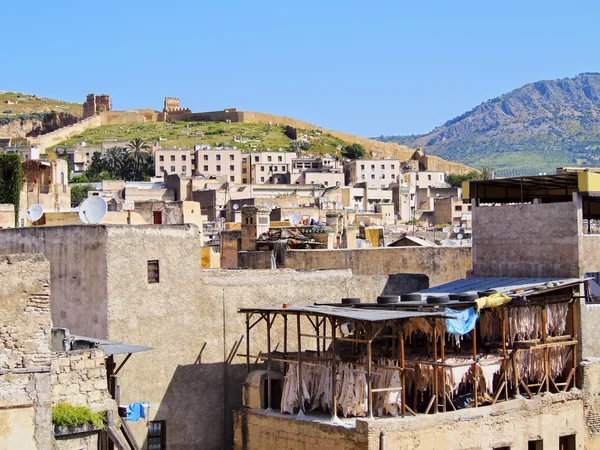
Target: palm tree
(113, 160)
(139, 152)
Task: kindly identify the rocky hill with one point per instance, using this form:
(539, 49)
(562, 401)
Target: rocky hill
(535, 128)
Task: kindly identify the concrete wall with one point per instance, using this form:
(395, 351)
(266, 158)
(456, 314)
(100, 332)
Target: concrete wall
(511, 424)
(25, 409)
(7, 215)
(535, 240)
(441, 264)
(78, 272)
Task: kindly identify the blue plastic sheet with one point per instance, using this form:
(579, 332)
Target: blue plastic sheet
(135, 411)
(462, 322)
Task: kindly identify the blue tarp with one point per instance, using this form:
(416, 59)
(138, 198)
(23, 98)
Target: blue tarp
(135, 411)
(463, 321)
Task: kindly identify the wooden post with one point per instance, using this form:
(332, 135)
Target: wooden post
(443, 369)
(575, 317)
(333, 370)
(475, 373)
(248, 342)
(403, 373)
(268, 361)
(435, 367)
(369, 378)
(300, 393)
(544, 340)
(505, 363)
(285, 341)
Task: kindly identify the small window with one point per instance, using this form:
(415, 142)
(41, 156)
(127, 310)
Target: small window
(172, 168)
(244, 170)
(161, 158)
(372, 166)
(383, 167)
(162, 168)
(205, 157)
(262, 179)
(232, 168)
(183, 169)
(269, 158)
(429, 177)
(256, 159)
(536, 444)
(218, 168)
(280, 158)
(231, 157)
(206, 168)
(393, 176)
(172, 157)
(392, 167)
(231, 178)
(362, 167)
(157, 435)
(383, 176)
(218, 157)
(262, 168)
(468, 207)
(458, 208)
(244, 160)
(245, 180)
(183, 157)
(153, 271)
(567, 442)
(372, 176)
(504, 447)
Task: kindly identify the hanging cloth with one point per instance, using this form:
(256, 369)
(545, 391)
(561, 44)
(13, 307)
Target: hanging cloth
(462, 322)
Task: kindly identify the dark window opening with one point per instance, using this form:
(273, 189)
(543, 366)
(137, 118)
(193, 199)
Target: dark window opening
(504, 447)
(567, 442)
(153, 275)
(157, 435)
(536, 444)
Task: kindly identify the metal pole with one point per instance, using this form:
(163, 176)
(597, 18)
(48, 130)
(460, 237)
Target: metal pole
(382, 440)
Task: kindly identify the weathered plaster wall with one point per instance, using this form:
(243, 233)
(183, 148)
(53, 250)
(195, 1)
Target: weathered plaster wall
(7, 215)
(190, 317)
(440, 264)
(590, 384)
(25, 352)
(536, 240)
(589, 251)
(507, 424)
(77, 270)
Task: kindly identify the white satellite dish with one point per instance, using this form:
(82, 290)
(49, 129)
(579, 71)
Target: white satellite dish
(459, 236)
(35, 213)
(236, 207)
(92, 210)
(464, 225)
(457, 230)
(446, 229)
(294, 218)
(362, 223)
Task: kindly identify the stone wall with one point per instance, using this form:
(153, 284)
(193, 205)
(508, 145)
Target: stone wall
(7, 215)
(526, 240)
(49, 139)
(590, 372)
(25, 408)
(512, 424)
(440, 264)
(79, 378)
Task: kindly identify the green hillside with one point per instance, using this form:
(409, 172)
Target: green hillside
(20, 104)
(536, 128)
(245, 136)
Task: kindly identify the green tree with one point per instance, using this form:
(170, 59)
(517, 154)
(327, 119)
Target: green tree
(11, 177)
(297, 145)
(354, 151)
(113, 160)
(456, 180)
(79, 193)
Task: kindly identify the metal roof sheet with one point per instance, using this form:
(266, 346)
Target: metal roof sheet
(501, 284)
(112, 347)
(363, 314)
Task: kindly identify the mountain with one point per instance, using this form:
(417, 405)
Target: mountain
(536, 128)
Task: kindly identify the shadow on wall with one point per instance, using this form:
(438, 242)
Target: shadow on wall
(199, 402)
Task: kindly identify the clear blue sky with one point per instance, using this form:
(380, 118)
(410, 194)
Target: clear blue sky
(369, 67)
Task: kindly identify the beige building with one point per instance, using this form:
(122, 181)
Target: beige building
(267, 167)
(374, 172)
(322, 171)
(423, 179)
(173, 161)
(223, 163)
(452, 211)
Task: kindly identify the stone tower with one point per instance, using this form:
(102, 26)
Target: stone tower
(255, 221)
(171, 104)
(95, 104)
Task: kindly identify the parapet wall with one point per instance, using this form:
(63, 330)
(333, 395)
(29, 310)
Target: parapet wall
(440, 264)
(47, 140)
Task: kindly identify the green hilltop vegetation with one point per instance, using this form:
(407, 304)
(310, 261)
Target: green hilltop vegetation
(24, 104)
(248, 136)
(533, 129)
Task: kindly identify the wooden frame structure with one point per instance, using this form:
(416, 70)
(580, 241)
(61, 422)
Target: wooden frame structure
(380, 329)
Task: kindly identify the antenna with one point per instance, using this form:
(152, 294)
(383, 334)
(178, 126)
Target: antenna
(35, 213)
(92, 210)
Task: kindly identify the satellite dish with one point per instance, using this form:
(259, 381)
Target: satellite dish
(459, 236)
(464, 225)
(457, 230)
(236, 207)
(35, 213)
(294, 218)
(446, 229)
(362, 223)
(92, 210)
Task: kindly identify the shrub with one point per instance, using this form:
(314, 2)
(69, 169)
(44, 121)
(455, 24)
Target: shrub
(66, 415)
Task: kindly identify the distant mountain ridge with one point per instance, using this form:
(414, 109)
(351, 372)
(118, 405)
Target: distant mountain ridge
(535, 128)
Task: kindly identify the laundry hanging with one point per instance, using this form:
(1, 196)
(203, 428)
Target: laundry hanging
(462, 322)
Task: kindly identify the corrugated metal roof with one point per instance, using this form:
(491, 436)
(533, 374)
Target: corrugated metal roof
(363, 314)
(501, 284)
(112, 347)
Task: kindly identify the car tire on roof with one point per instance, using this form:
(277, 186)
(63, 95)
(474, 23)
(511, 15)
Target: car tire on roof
(414, 297)
(487, 292)
(387, 299)
(350, 301)
(438, 300)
